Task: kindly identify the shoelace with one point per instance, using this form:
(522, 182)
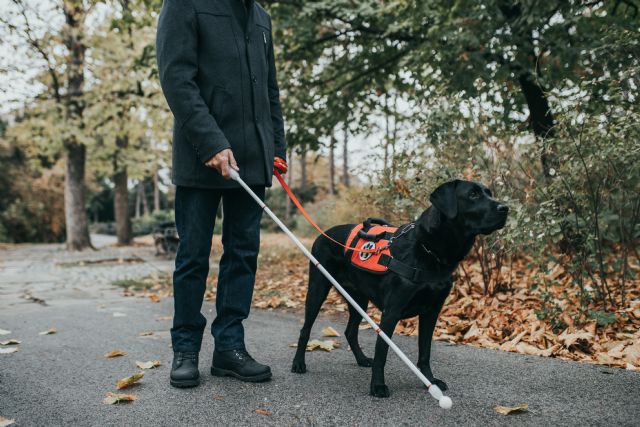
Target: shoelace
(242, 355)
(186, 356)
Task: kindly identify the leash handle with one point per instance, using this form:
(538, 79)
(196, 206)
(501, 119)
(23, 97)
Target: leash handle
(304, 213)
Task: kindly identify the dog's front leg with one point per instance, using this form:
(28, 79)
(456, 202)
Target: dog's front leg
(426, 325)
(378, 387)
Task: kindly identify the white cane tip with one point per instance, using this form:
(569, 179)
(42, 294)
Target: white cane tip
(445, 402)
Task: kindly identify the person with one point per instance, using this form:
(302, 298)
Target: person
(217, 72)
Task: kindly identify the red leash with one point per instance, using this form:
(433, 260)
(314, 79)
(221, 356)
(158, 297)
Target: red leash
(304, 213)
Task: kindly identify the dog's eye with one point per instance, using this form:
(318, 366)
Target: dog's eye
(474, 194)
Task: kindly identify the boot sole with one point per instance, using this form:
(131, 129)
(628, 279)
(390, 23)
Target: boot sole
(185, 383)
(218, 372)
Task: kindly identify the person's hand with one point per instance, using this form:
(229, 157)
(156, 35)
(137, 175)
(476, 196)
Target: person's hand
(222, 162)
(280, 165)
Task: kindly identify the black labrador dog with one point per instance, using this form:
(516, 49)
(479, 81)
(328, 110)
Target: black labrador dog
(435, 243)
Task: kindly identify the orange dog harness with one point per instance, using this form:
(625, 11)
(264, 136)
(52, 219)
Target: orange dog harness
(370, 261)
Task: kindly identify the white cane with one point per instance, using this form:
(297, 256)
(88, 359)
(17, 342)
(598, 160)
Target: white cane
(434, 390)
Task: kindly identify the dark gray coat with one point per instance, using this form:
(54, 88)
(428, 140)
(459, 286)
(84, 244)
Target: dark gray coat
(220, 82)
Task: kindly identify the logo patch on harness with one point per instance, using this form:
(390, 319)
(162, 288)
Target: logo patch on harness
(366, 246)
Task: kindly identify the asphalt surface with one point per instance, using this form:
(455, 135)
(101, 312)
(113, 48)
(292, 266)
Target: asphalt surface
(61, 379)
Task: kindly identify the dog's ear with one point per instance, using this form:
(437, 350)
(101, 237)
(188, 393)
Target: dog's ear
(445, 200)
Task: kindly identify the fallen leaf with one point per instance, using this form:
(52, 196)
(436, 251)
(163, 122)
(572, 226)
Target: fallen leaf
(507, 410)
(118, 314)
(330, 332)
(165, 318)
(154, 298)
(148, 365)
(293, 344)
(4, 332)
(115, 353)
(218, 397)
(263, 412)
(472, 333)
(10, 342)
(113, 398)
(6, 421)
(146, 334)
(49, 331)
(633, 354)
(327, 345)
(8, 350)
(129, 381)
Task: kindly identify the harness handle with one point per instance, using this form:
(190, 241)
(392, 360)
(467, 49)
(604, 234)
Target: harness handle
(304, 213)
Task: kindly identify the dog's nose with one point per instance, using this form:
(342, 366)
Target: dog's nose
(502, 208)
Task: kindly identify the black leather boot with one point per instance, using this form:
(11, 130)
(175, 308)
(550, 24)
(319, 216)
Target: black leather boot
(184, 370)
(239, 364)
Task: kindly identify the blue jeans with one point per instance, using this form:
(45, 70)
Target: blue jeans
(195, 218)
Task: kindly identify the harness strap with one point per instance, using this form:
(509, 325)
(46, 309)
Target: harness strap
(411, 273)
(386, 235)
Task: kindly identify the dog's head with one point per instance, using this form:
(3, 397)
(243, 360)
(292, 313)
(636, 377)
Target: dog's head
(470, 205)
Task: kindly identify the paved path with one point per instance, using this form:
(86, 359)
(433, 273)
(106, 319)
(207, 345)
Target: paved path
(62, 378)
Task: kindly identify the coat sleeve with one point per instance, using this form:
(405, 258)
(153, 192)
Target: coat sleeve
(274, 102)
(177, 55)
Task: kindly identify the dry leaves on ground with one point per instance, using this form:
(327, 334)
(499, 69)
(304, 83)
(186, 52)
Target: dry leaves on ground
(49, 331)
(148, 365)
(507, 410)
(146, 333)
(8, 350)
(263, 411)
(505, 319)
(10, 342)
(330, 332)
(165, 318)
(6, 421)
(115, 353)
(328, 345)
(129, 381)
(218, 397)
(154, 298)
(113, 398)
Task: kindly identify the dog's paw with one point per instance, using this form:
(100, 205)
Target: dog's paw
(380, 390)
(298, 367)
(441, 384)
(367, 362)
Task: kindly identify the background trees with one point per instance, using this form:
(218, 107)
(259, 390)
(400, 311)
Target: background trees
(383, 100)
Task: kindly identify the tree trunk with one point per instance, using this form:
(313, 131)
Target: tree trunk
(387, 141)
(138, 202)
(143, 198)
(77, 227)
(121, 208)
(156, 192)
(303, 167)
(541, 118)
(345, 156)
(332, 165)
(75, 214)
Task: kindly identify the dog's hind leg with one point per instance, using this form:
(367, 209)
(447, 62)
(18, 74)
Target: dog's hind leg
(319, 288)
(351, 333)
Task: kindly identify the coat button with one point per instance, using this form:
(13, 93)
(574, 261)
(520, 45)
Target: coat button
(254, 78)
(247, 39)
